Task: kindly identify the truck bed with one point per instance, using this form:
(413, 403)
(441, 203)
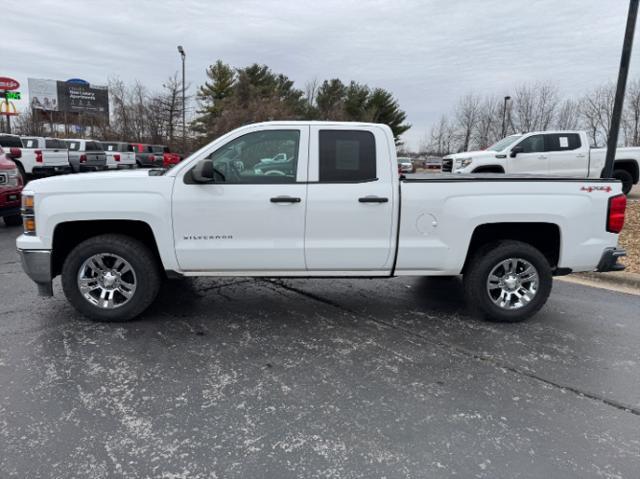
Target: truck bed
(449, 177)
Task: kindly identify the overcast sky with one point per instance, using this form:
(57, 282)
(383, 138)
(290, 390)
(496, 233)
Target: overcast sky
(428, 53)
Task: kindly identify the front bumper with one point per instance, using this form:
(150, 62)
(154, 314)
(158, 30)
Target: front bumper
(609, 260)
(37, 264)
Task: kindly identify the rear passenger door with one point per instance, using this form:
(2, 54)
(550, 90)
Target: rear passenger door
(566, 154)
(350, 201)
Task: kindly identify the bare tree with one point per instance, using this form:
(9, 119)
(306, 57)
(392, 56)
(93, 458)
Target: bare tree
(489, 123)
(466, 115)
(568, 116)
(631, 118)
(441, 137)
(596, 108)
(534, 107)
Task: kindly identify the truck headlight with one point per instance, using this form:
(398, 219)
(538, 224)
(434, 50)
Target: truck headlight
(463, 162)
(28, 214)
(13, 178)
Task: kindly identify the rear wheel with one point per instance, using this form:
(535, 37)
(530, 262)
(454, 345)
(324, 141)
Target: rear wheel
(508, 281)
(111, 278)
(625, 177)
(14, 220)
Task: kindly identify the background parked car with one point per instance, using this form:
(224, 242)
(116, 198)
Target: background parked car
(145, 156)
(43, 156)
(86, 155)
(10, 188)
(169, 158)
(119, 154)
(405, 165)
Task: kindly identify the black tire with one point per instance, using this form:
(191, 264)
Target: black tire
(478, 271)
(14, 220)
(625, 177)
(143, 262)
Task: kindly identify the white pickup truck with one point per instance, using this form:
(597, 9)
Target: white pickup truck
(342, 210)
(39, 156)
(563, 153)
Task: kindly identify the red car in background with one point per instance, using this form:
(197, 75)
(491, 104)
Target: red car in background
(169, 158)
(10, 188)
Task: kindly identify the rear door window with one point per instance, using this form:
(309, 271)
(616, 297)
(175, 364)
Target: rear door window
(562, 141)
(347, 156)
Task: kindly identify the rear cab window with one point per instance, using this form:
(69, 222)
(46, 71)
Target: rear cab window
(30, 142)
(347, 156)
(10, 141)
(73, 145)
(55, 144)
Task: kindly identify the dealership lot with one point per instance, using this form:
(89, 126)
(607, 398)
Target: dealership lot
(317, 378)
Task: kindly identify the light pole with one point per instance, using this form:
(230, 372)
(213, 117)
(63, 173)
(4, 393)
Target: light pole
(504, 113)
(184, 106)
(612, 141)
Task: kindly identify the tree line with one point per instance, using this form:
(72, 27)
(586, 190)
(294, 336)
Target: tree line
(477, 121)
(229, 98)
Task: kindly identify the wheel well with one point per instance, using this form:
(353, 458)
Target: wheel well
(543, 236)
(628, 165)
(489, 169)
(67, 236)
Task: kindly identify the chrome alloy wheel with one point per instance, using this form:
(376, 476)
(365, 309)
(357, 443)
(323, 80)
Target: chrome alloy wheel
(107, 280)
(512, 283)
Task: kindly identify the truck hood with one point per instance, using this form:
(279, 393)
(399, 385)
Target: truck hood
(104, 181)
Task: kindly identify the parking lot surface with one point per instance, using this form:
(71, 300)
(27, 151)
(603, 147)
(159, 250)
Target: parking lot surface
(317, 378)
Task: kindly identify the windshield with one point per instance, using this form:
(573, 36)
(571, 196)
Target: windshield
(504, 143)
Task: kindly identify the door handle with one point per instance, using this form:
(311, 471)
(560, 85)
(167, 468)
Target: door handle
(285, 199)
(373, 199)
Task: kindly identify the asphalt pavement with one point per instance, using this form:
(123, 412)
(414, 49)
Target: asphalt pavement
(317, 378)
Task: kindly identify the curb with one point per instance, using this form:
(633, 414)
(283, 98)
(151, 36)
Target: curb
(613, 279)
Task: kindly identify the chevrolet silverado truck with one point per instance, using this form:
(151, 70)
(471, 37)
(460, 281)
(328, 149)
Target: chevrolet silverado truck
(342, 211)
(86, 155)
(44, 156)
(563, 153)
(120, 155)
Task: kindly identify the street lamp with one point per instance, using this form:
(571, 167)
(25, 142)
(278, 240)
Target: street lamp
(504, 112)
(184, 105)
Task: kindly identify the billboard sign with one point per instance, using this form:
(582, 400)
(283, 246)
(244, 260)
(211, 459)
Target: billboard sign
(79, 98)
(69, 97)
(7, 83)
(43, 94)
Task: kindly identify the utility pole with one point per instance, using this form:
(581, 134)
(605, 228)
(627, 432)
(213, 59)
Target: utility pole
(612, 141)
(504, 113)
(184, 105)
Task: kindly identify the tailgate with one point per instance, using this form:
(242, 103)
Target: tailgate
(55, 157)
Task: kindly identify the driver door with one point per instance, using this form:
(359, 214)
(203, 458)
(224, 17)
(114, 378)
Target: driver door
(532, 159)
(250, 219)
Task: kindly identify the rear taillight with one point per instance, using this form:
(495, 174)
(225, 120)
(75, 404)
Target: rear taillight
(15, 152)
(116, 157)
(615, 216)
(38, 156)
(83, 158)
(152, 158)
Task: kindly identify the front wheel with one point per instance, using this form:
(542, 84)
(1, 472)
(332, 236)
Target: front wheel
(508, 281)
(111, 277)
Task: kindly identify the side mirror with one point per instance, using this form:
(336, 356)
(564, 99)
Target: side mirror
(203, 171)
(515, 150)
